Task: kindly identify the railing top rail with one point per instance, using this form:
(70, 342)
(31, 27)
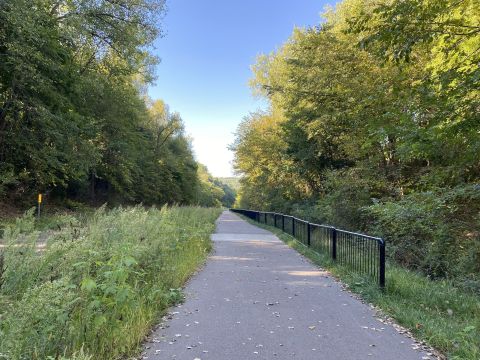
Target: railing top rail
(322, 226)
(295, 218)
(361, 235)
(380, 240)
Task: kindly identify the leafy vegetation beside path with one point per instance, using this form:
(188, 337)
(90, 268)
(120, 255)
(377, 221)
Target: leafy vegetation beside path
(100, 284)
(374, 126)
(435, 311)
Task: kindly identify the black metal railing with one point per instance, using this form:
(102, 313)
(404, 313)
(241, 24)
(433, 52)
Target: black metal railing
(361, 253)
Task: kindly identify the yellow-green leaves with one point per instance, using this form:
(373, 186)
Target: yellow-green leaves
(88, 284)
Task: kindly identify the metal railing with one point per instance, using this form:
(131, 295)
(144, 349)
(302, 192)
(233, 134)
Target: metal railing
(361, 253)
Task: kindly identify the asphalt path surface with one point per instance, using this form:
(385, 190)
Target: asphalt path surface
(256, 298)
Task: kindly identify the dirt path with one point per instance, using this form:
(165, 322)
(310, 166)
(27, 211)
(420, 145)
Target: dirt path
(258, 299)
(40, 245)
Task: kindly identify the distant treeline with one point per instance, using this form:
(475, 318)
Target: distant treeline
(75, 121)
(374, 126)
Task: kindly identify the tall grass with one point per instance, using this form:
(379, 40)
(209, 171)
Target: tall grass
(437, 312)
(99, 286)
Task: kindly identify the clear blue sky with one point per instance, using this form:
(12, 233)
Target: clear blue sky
(206, 55)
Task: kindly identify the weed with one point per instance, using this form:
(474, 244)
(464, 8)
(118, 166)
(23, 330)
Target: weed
(98, 286)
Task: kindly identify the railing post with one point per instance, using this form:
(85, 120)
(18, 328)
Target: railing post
(275, 220)
(293, 226)
(308, 234)
(334, 243)
(381, 273)
(283, 222)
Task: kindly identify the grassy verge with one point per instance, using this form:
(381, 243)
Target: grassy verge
(53, 219)
(435, 311)
(99, 285)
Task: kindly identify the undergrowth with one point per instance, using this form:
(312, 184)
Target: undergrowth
(445, 317)
(99, 285)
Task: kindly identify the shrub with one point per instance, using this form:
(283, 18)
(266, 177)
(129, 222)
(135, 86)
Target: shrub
(345, 194)
(436, 232)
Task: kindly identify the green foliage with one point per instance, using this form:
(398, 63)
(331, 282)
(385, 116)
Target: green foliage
(55, 58)
(96, 289)
(232, 182)
(443, 36)
(74, 119)
(435, 231)
(345, 194)
(56, 222)
(208, 193)
(229, 192)
(260, 148)
(48, 307)
(212, 192)
(373, 126)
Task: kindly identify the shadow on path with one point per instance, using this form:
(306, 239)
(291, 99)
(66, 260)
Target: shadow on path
(258, 299)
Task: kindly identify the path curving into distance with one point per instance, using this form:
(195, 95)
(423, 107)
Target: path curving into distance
(256, 298)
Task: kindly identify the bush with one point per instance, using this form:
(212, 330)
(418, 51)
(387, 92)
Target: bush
(345, 194)
(436, 232)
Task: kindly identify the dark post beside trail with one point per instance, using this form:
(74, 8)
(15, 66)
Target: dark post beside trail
(308, 234)
(39, 204)
(334, 243)
(359, 252)
(381, 279)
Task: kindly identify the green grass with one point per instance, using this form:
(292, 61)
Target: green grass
(437, 312)
(100, 284)
(51, 219)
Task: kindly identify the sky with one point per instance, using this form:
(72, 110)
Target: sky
(206, 53)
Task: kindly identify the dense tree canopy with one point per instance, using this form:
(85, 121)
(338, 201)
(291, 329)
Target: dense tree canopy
(74, 118)
(373, 125)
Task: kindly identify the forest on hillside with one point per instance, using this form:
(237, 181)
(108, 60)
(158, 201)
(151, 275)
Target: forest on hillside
(76, 123)
(373, 125)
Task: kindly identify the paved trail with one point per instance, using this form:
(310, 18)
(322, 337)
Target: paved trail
(258, 299)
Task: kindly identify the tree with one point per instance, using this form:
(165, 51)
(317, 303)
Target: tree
(55, 54)
(74, 119)
(260, 157)
(444, 37)
(208, 192)
(373, 118)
